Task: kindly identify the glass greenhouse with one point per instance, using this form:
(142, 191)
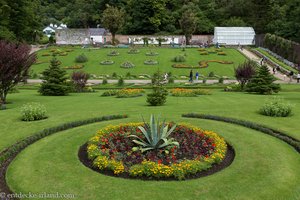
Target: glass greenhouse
(234, 35)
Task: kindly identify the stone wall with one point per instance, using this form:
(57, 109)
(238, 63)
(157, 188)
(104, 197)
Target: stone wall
(82, 36)
(72, 36)
(124, 39)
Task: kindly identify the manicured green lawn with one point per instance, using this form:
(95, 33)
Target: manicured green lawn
(264, 168)
(164, 58)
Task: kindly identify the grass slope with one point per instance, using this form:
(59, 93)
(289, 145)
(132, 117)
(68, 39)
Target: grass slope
(265, 168)
(259, 171)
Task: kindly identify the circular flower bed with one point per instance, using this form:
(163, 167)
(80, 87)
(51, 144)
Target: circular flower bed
(133, 51)
(188, 150)
(107, 62)
(113, 53)
(150, 62)
(151, 53)
(127, 64)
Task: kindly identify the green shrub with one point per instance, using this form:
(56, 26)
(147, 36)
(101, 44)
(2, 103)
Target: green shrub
(211, 74)
(128, 75)
(114, 75)
(104, 82)
(54, 80)
(179, 58)
(158, 97)
(109, 93)
(221, 80)
(276, 108)
(33, 112)
(171, 80)
(81, 59)
(121, 81)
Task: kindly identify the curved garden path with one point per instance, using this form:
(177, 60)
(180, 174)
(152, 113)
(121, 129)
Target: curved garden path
(283, 78)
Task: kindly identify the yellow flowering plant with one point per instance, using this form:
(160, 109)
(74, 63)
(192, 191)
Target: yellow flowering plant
(111, 149)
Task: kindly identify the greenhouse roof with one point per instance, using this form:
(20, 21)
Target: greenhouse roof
(234, 35)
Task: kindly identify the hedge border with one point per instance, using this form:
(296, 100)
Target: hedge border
(258, 127)
(8, 154)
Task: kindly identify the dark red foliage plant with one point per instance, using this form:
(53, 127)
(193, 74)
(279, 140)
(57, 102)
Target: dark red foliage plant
(79, 78)
(15, 61)
(244, 72)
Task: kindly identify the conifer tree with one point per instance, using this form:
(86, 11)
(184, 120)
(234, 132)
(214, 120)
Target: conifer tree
(263, 82)
(159, 95)
(54, 83)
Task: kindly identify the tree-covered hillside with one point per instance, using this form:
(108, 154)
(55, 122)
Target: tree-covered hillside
(19, 18)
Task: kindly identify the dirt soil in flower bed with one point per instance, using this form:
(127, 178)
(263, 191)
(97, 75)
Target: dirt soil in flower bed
(229, 157)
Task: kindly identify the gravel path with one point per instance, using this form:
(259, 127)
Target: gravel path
(254, 57)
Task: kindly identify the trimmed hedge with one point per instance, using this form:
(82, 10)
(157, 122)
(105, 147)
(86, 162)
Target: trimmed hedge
(264, 129)
(14, 149)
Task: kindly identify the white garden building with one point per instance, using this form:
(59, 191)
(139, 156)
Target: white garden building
(234, 35)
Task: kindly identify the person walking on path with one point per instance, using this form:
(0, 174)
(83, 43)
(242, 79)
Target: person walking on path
(274, 70)
(262, 61)
(298, 77)
(191, 76)
(197, 76)
(166, 77)
(291, 74)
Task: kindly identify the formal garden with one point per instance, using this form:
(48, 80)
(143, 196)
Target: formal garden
(111, 63)
(176, 140)
(150, 100)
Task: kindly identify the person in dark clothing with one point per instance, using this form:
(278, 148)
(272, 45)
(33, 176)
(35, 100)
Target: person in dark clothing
(191, 76)
(291, 74)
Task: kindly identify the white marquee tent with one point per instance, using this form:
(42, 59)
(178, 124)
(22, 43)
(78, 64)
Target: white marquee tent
(234, 35)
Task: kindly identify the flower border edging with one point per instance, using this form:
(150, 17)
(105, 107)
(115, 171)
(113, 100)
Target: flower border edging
(262, 128)
(8, 154)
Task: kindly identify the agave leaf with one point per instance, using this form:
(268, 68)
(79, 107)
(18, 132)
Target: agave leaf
(138, 138)
(140, 143)
(153, 129)
(171, 130)
(164, 132)
(145, 133)
(162, 129)
(175, 143)
(166, 143)
(146, 149)
(146, 124)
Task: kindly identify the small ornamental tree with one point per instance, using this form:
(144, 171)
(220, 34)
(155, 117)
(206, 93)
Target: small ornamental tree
(55, 78)
(113, 20)
(79, 80)
(244, 72)
(15, 61)
(188, 24)
(262, 82)
(159, 95)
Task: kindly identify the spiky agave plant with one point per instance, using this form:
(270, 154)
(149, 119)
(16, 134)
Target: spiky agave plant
(156, 136)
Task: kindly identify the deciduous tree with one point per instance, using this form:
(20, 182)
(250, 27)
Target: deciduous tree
(113, 20)
(188, 23)
(15, 61)
(244, 72)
